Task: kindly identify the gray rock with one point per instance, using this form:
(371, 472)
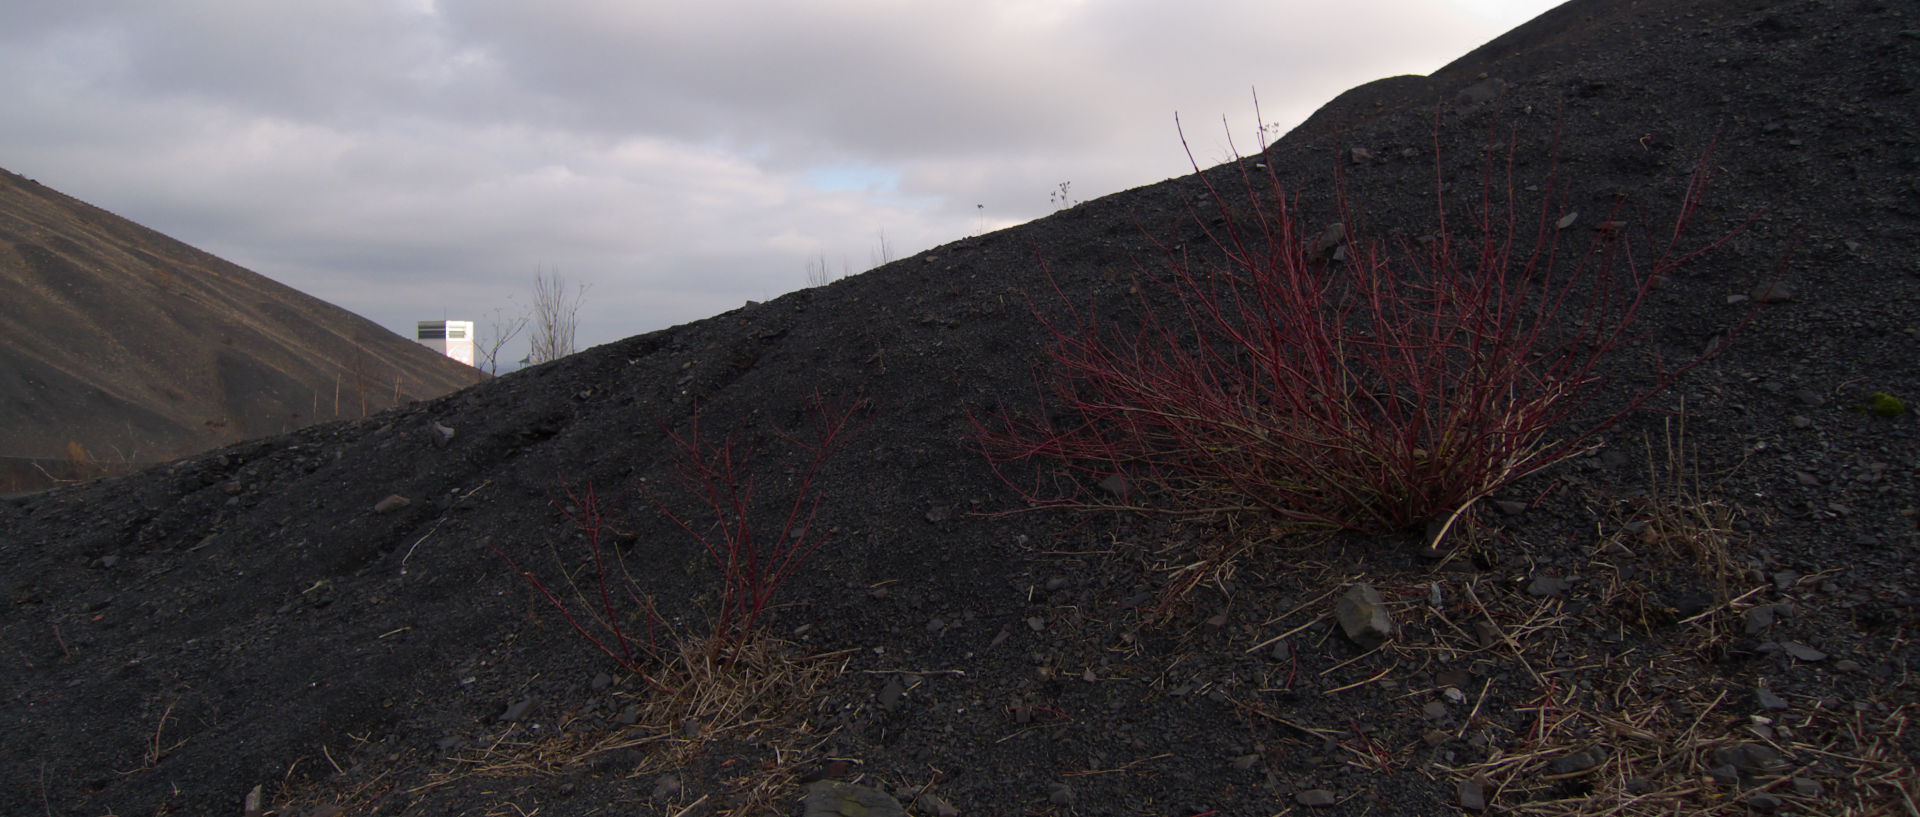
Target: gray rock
(1363, 616)
(1060, 794)
(1510, 507)
(1316, 798)
(834, 798)
(601, 681)
(931, 804)
(1471, 794)
(666, 787)
(1759, 619)
(891, 694)
(1333, 236)
(1763, 801)
(1245, 762)
(1544, 585)
(1749, 759)
(1434, 710)
(1802, 651)
(1577, 762)
(1808, 787)
(1765, 698)
(1360, 156)
(393, 502)
(516, 710)
(1486, 632)
(1773, 293)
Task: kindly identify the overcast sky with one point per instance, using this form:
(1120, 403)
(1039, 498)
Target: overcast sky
(421, 159)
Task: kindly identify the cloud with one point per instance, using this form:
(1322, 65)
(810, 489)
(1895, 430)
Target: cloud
(417, 159)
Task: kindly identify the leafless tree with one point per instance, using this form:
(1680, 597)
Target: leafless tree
(502, 328)
(556, 315)
(818, 273)
(882, 254)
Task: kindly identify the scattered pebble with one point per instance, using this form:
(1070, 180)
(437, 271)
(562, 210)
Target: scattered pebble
(1544, 585)
(1802, 651)
(1759, 619)
(931, 804)
(666, 786)
(1578, 761)
(516, 710)
(1363, 616)
(1315, 798)
(834, 798)
(1748, 759)
(891, 694)
(1060, 794)
(1472, 795)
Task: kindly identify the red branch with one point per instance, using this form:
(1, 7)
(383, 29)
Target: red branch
(588, 515)
(753, 562)
(1379, 395)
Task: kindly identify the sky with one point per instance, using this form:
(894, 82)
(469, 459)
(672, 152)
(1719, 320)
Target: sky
(424, 159)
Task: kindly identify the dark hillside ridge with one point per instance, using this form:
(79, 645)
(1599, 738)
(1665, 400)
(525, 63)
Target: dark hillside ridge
(121, 346)
(248, 610)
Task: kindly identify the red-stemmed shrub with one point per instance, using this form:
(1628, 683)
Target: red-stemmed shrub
(754, 559)
(1336, 381)
(588, 514)
(753, 562)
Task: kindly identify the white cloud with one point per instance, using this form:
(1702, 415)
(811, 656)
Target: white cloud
(414, 159)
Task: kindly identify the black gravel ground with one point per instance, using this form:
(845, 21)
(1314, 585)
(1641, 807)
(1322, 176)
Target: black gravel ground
(1597, 638)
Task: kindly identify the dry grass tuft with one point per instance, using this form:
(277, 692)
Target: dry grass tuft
(1661, 746)
(1679, 521)
(747, 699)
(751, 693)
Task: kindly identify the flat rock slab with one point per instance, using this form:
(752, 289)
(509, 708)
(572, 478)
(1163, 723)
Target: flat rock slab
(833, 798)
(1363, 616)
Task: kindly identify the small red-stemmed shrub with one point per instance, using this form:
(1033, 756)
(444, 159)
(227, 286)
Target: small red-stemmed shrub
(588, 514)
(1370, 388)
(754, 559)
(754, 562)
